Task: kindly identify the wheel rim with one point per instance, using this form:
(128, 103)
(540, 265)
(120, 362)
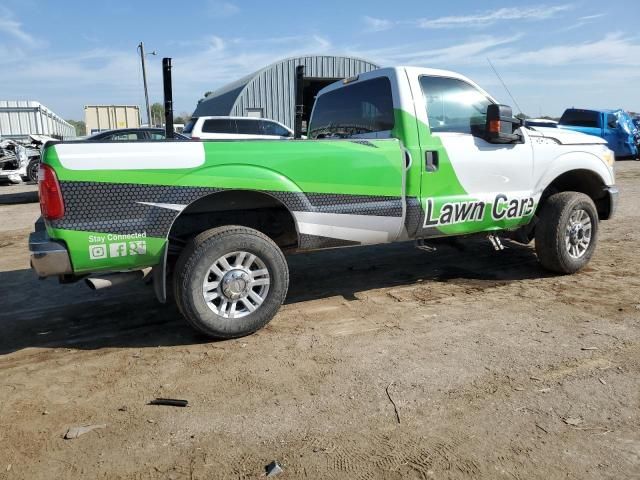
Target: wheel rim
(33, 172)
(236, 284)
(578, 233)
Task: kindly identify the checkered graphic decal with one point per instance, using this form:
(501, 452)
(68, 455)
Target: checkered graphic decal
(312, 242)
(338, 203)
(415, 216)
(116, 208)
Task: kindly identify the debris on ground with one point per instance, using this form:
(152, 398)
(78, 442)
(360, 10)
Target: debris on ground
(75, 432)
(589, 348)
(573, 421)
(273, 469)
(172, 402)
(395, 408)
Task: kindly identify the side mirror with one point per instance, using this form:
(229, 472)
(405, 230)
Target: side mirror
(501, 124)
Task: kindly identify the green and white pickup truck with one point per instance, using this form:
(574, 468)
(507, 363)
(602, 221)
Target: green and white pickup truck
(392, 155)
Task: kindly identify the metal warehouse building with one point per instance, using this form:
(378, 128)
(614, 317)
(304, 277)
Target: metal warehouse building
(270, 92)
(19, 119)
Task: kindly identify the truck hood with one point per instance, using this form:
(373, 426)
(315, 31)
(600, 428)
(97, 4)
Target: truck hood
(565, 137)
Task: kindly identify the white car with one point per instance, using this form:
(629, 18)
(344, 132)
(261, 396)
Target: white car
(219, 128)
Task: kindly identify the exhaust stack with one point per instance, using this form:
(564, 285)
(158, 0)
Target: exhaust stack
(297, 129)
(168, 97)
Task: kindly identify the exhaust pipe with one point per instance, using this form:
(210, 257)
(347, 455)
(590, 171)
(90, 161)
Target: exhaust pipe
(168, 98)
(297, 128)
(113, 279)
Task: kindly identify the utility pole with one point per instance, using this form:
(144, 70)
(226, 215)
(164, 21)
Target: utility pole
(144, 80)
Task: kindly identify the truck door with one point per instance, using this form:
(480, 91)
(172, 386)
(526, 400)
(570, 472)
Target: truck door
(354, 168)
(467, 184)
(613, 134)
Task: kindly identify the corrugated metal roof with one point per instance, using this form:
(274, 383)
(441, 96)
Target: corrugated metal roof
(272, 88)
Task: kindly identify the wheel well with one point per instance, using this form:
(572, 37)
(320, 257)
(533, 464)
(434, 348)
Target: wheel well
(252, 209)
(583, 181)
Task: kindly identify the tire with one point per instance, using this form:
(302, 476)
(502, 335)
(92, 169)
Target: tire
(32, 170)
(567, 232)
(203, 282)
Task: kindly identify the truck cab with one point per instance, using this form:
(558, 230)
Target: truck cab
(462, 177)
(615, 126)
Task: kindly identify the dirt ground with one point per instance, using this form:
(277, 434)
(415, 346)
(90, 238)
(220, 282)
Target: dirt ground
(497, 368)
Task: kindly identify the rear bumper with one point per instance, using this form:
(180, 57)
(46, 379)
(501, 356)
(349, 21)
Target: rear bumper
(48, 257)
(613, 193)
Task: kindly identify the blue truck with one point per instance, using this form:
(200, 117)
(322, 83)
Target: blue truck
(615, 126)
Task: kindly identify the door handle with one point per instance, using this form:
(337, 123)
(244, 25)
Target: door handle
(431, 160)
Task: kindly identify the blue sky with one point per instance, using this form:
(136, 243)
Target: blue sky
(552, 55)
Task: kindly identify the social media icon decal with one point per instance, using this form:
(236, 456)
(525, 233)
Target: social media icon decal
(118, 250)
(97, 252)
(138, 247)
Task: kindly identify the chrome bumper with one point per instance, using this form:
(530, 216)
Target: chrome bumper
(48, 257)
(613, 199)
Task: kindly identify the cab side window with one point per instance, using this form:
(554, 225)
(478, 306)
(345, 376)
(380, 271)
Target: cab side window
(612, 121)
(453, 105)
(361, 108)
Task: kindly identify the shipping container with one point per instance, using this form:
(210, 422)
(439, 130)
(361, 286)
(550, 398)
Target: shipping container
(108, 117)
(21, 118)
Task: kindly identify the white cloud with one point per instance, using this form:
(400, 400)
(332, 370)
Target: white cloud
(612, 49)
(377, 24)
(490, 17)
(473, 51)
(13, 29)
(592, 17)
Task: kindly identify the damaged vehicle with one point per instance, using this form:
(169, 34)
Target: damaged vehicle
(20, 161)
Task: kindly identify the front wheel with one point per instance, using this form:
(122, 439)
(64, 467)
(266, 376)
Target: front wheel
(230, 281)
(32, 170)
(567, 232)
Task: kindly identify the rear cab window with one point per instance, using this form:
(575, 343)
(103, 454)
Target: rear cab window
(363, 109)
(580, 118)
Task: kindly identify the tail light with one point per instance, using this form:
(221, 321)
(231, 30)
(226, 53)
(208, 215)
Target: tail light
(51, 203)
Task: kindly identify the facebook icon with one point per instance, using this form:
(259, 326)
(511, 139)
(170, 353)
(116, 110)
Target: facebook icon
(118, 250)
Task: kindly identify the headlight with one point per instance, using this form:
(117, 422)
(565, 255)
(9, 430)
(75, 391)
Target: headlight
(608, 156)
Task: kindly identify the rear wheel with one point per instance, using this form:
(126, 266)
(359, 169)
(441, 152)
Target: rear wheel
(567, 232)
(230, 281)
